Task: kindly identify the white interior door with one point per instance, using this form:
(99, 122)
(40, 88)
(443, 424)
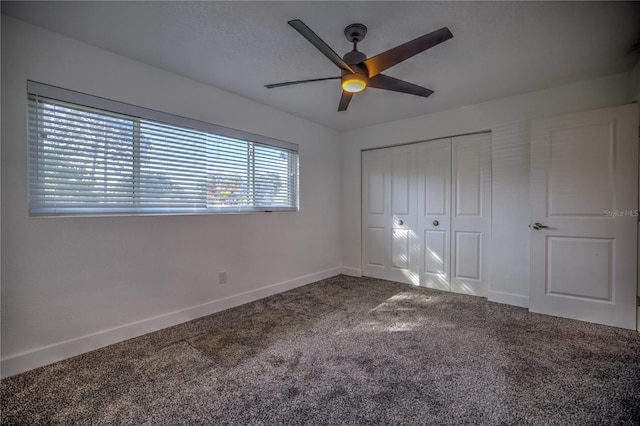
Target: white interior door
(434, 212)
(584, 201)
(471, 213)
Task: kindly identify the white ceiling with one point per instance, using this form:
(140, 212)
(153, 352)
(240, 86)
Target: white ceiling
(499, 48)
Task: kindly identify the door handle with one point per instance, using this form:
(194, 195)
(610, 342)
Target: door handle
(436, 223)
(537, 226)
(400, 222)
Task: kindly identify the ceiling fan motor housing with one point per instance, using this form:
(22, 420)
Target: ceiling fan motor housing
(354, 57)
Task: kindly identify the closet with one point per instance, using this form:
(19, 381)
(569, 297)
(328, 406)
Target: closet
(426, 213)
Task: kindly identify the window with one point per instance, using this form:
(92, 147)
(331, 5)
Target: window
(93, 156)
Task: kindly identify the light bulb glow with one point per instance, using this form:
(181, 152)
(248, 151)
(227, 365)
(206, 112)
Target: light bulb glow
(353, 85)
(354, 82)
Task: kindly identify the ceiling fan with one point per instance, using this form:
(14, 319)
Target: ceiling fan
(358, 72)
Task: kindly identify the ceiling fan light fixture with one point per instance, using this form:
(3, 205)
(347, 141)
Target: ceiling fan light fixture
(354, 83)
(356, 71)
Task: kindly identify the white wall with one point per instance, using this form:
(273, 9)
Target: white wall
(73, 284)
(507, 119)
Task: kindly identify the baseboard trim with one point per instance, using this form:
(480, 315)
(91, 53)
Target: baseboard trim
(509, 299)
(352, 272)
(52, 353)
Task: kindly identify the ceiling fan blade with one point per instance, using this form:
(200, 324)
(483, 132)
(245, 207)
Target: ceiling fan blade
(385, 82)
(289, 83)
(344, 100)
(319, 44)
(394, 56)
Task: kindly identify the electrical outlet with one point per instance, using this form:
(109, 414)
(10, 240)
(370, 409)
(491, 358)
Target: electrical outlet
(222, 277)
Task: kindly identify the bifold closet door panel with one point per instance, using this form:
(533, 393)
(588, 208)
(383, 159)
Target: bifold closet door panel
(375, 213)
(471, 213)
(404, 248)
(390, 248)
(434, 212)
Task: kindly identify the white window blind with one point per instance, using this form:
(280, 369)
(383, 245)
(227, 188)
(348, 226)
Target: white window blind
(93, 156)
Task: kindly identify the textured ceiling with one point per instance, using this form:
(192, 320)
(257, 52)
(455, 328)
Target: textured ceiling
(499, 48)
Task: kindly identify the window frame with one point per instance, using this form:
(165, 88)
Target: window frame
(138, 114)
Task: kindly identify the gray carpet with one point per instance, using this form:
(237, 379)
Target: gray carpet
(347, 351)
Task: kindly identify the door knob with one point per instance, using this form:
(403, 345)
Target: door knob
(538, 225)
(400, 222)
(436, 223)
